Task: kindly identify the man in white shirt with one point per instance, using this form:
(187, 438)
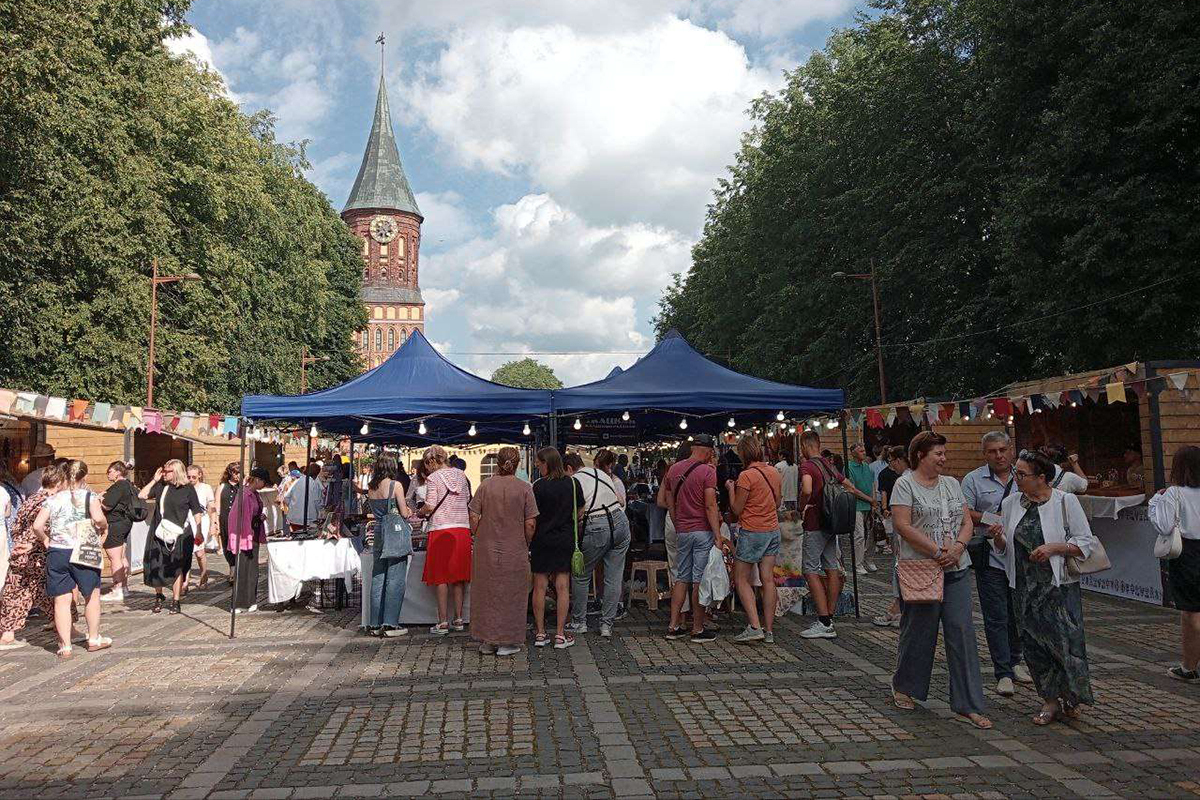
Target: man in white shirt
(304, 499)
(789, 475)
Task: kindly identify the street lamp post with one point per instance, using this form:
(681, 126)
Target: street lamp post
(305, 360)
(870, 276)
(155, 280)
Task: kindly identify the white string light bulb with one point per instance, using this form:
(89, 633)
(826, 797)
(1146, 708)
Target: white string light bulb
(525, 430)
(779, 416)
(625, 416)
(731, 423)
(421, 428)
(578, 424)
(471, 430)
(312, 432)
(683, 424)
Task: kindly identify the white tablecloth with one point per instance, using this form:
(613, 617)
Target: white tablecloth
(1097, 507)
(420, 601)
(289, 564)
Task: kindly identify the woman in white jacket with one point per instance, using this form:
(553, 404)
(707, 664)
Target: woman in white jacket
(1041, 527)
(1178, 506)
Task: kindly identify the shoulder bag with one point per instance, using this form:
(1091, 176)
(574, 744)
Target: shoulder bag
(394, 531)
(1171, 545)
(921, 580)
(86, 552)
(578, 566)
(1096, 562)
(166, 531)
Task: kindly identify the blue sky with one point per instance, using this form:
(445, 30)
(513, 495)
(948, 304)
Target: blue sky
(562, 151)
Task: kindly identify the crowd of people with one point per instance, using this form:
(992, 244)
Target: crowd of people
(1014, 524)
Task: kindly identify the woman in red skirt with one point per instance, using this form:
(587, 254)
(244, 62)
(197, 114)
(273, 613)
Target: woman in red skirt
(448, 553)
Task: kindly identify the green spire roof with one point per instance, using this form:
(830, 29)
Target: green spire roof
(381, 182)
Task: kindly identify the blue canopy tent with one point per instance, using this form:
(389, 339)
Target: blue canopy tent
(416, 387)
(674, 383)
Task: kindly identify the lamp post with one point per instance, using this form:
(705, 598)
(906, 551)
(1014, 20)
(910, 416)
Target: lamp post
(305, 360)
(155, 280)
(870, 276)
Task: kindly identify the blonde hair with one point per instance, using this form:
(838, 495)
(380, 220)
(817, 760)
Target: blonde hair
(435, 455)
(198, 468)
(180, 471)
(74, 471)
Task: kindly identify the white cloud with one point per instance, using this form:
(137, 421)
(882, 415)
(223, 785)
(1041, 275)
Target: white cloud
(194, 44)
(333, 173)
(447, 222)
(545, 280)
(621, 126)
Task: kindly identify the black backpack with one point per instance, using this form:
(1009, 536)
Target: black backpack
(838, 507)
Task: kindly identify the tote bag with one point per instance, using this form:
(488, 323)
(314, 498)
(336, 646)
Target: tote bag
(394, 531)
(86, 552)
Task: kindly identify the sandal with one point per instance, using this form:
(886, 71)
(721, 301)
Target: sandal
(203, 580)
(99, 643)
(563, 642)
(541, 640)
(903, 701)
(978, 720)
(157, 607)
(458, 625)
(65, 652)
(1071, 712)
(1044, 717)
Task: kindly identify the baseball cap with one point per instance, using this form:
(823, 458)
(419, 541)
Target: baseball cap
(703, 440)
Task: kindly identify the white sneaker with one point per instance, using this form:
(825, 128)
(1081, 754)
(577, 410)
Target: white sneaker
(486, 649)
(507, 650)
(576, 627)
(1005, 688)
(860, 569)
(115, 596)
(872, 568)
(819, 630)
(392, 632)
(1021, 674)
(252, 609)
(605, 631)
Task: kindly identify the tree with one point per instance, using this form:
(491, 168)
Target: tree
(526, 374)
(999, 163)
(117, 153)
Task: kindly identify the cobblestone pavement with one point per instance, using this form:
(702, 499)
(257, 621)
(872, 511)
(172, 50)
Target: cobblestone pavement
(301, 705)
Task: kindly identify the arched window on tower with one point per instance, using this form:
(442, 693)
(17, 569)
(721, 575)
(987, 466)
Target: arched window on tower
(379, 338)
(366, 339)
(403, 336)
(383, 272)
(391, 338)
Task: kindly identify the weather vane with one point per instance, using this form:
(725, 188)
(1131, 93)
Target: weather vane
(381, 41)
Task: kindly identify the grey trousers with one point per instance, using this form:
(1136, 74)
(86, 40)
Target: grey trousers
(918, 641)
(610, 545)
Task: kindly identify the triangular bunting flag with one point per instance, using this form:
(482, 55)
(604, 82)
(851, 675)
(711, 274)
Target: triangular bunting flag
(56, 408)
(1178, 380)
(173, 423)
(214, 424)
(26, 402)
(874, 418)
(1051, 399)
(956, 415)
(7, 399)
(1093, 393)
(231, 425)
(153, 420)
(931, 416)
(1115, 392)
(102, 413)
(964, 410)
(891, 416)
(78, 407)
(1002, 407)
(186, 422)
(946, 411)
(1038, 402)
(1139, 389)
(40, 403)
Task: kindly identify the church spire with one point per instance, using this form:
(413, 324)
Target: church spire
(381, 182)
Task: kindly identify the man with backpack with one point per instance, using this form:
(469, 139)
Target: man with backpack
(828, 501)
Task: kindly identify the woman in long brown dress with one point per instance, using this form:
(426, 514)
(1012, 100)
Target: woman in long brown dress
(503, 514)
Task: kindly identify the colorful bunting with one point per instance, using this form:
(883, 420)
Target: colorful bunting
(874, 418)
(1002, 407)
(231, 425)
(102, 413)
(891, 416)
(964, 410)
(56, 408)
(7, 399)
(78, 409)
(1115, 392)
(153, 420)
(1178, 380)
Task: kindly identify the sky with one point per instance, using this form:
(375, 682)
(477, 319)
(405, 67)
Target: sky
(563, 152)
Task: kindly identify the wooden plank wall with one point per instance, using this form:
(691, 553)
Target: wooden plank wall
(1179, 421)
(964, 450)
(98, 447)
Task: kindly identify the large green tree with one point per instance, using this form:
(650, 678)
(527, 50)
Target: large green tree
(527, 373)
(116, 153)
(1000, 163)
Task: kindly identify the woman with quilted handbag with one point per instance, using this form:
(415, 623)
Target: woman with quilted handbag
(1175, 513)
(70, 524)
(1042, 529)
(933, 526)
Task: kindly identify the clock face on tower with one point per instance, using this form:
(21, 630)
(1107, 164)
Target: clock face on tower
(384, 229)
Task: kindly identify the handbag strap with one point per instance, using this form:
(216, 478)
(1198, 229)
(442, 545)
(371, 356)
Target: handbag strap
(767, 481)
(439, 502)
(574, 510)
(683, 480)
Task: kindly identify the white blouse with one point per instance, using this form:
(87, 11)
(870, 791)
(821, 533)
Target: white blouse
(1177, 505)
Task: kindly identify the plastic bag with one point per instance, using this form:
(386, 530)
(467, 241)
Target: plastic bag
(714, 586)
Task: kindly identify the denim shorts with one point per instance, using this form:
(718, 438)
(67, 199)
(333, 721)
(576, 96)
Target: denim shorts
(62, 576)
(821, 554)
(754, 546)
(691, 555)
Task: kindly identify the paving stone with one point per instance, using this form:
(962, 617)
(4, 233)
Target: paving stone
(668, 774)
(845, 767)
(787, 770)
(750, 771)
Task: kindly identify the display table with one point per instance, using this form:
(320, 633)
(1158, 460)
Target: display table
(1104, 507)
(290, 564)
(420, 601)
(1122, 524)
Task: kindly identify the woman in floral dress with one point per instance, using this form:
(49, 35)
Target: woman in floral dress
(26, 584)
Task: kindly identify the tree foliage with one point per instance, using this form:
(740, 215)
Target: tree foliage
(526, 374)
(1001, 163)
(116, 153)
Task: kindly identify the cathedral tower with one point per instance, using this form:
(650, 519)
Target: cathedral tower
(382, 212)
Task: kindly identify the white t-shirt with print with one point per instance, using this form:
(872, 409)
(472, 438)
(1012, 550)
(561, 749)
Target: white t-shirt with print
(65, 509)
(936, 511)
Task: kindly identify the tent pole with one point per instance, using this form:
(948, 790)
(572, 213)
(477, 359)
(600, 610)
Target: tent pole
(853, 555)
(307, 461)
(237, 502)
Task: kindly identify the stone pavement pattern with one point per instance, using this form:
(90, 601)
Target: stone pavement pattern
(301, 705)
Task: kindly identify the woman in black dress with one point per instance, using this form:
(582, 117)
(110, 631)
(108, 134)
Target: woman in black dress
(227, 490)
(169, 547)
(559, 501)
(119, 501)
